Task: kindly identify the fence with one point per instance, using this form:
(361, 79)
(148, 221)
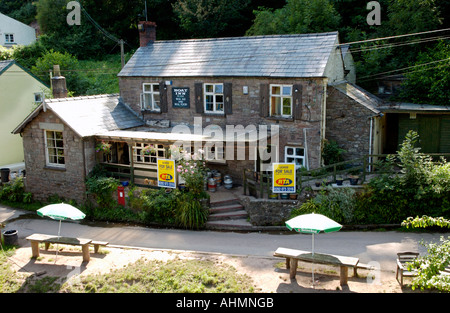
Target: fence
(259, 183)
(140, 176)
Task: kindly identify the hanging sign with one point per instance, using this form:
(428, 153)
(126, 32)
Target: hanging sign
(283, 178)
(180, 97)
(166, 173)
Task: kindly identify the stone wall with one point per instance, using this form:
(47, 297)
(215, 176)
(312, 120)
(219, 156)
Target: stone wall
(304, 131)
(348, 123)
(265, 212)
(44, 181)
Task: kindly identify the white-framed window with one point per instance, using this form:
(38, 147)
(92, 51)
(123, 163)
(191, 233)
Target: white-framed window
(213, 98)
(295, 155)
(54, 148)
(150, 97)
(38, 97)
(9, 38)
(147, 153)
(215, 153)
(281, 100)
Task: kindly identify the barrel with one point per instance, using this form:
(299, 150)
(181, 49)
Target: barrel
(218, 178)
(212, 185)
(228, 182)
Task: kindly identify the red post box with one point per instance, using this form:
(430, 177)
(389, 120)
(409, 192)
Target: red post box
(121, 195)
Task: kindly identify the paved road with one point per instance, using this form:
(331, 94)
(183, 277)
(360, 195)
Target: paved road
(368, 246)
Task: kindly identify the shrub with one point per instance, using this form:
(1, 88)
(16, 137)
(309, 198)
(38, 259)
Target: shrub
(14, 191)
(337, 204)
(102, 189)
(190, 213)
(159, 206)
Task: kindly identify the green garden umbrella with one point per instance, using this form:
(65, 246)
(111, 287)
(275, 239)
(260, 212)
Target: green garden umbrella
(312, 224)
(60, 212)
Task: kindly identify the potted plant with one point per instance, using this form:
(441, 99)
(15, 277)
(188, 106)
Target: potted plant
(149, 150)
(339, 180)
(104, 147)
(293, 196)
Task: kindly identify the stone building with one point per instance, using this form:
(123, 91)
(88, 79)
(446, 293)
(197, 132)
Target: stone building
(246, 102)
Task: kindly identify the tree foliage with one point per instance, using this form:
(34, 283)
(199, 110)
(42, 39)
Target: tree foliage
(296, 17)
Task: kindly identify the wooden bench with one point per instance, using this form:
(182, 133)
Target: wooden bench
(293, 256)
(35, 239)
(97, 245)
(402, 259)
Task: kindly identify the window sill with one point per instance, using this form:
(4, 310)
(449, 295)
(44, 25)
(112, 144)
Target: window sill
(221, 162)
(54, 168)
(151, 111)
(214, 114)
(280, 118)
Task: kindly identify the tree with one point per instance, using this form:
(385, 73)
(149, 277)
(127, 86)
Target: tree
(209, 18)
(296, 17)
(429, 83)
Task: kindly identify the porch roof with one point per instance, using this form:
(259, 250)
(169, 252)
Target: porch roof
(400, 107)
(88, 115)
(174, 136)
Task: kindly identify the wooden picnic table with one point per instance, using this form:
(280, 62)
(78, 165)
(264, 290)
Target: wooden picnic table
(35, 239)
(293, 256)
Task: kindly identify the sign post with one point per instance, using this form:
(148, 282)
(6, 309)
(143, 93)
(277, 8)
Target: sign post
(166, 173)
(283, 179)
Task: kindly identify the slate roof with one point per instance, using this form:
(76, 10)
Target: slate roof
(360, 95)
(304, 55)
(89, 115)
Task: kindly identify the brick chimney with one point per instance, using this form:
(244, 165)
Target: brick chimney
(147, 33)
(58, 83)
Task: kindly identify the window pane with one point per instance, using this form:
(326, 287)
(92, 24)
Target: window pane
(286, 106)
(276, 90)
(147, 101)
(287, 90)
(299, 151)
(49, 135)
(209, 102)
(290, 151)
(147, 88)
(209, 88)
(218, 88)
(156, 103)
(276, 106)
(58, 135)
(156, 87)
(59, 143)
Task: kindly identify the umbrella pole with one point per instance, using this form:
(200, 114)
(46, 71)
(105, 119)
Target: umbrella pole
(313, 259)
(59, 232)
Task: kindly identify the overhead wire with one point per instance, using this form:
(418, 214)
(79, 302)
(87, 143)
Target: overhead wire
(353, 50)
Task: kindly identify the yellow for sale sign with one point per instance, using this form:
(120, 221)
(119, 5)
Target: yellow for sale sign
(283, 179)
(166, 173)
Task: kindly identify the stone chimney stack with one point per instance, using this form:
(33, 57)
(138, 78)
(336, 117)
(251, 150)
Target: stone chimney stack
(147, 33)
(58, 83)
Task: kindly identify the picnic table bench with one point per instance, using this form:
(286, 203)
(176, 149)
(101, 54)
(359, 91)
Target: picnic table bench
(35, 239)
(293, 256)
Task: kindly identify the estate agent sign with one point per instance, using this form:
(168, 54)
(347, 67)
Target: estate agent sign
(283, 180)
(166, 173)
(180, 97)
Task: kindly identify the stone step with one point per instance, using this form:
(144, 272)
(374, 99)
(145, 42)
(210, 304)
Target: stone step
(223, 202)
(226, 208)
(228, 215)
(235, 224)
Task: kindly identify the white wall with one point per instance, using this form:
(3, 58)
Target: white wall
(23, 34)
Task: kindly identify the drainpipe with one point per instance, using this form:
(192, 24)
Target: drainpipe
(370, 143)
